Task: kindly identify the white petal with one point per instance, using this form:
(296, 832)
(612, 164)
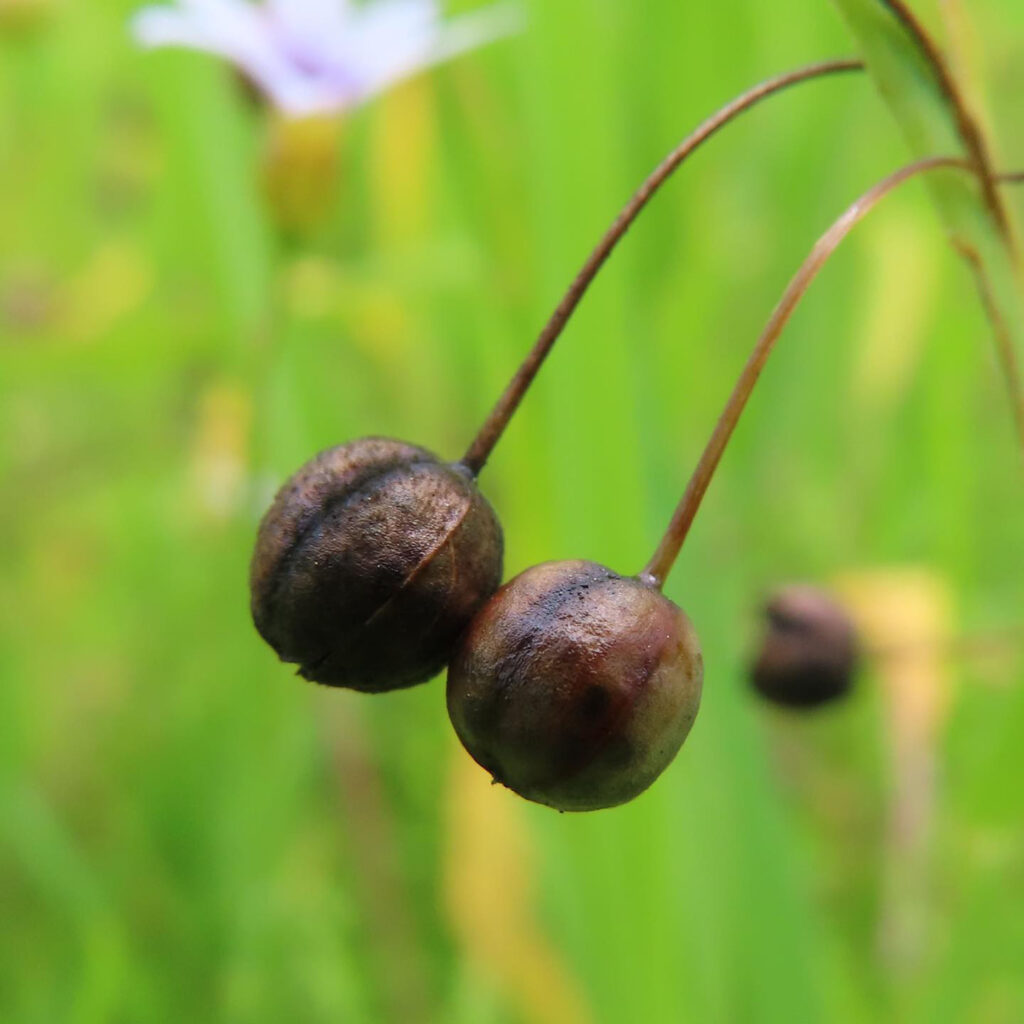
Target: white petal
(376, 30)
(386, 19)
(320, 55)
(405, 39)
(314, 36)
(192, 25)
(243, 34)
(310, 22)
(477, 29)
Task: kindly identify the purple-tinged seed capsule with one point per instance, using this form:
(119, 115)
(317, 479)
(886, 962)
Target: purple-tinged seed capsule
(574, 686)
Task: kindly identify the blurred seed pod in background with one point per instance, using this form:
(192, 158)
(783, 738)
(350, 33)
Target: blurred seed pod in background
(809, 651)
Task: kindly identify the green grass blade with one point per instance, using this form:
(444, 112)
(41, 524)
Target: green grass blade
(923, 96)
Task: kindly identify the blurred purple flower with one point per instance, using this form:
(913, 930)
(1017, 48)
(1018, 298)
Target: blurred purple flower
(318, 56)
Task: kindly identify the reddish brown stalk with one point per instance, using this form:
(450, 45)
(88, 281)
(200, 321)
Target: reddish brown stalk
(664, 558)
(494, 426)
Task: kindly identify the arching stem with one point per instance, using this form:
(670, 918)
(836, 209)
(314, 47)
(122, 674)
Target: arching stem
(668, 550)
(494, 426)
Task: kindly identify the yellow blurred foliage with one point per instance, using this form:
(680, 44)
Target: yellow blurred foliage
(490, 897)
(906, 619)
(312, 287)
(220, 448)
(906, 616)
(20, 15)
(115, 281)
(401, 160)
(899, 296)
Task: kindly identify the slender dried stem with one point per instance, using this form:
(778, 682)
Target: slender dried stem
(494, 426)
(664, 558)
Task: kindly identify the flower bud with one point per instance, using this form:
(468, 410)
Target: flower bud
(808, 654)
(574, 686)
(301, 171)
(371, 562)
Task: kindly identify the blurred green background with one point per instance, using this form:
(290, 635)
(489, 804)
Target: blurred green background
(187, 832)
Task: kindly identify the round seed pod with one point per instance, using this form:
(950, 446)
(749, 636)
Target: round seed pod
(809, 651)
(574, 686)
(371, 561)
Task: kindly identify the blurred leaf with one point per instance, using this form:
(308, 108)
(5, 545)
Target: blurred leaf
(490, 894)
(905, 619)
(916, 83)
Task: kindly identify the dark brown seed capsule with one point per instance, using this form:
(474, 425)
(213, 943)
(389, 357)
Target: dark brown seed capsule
(371, 562)
(575, 686)
(808, 654)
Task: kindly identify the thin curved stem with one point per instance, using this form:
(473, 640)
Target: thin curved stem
(668, 550)
(494, 426)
